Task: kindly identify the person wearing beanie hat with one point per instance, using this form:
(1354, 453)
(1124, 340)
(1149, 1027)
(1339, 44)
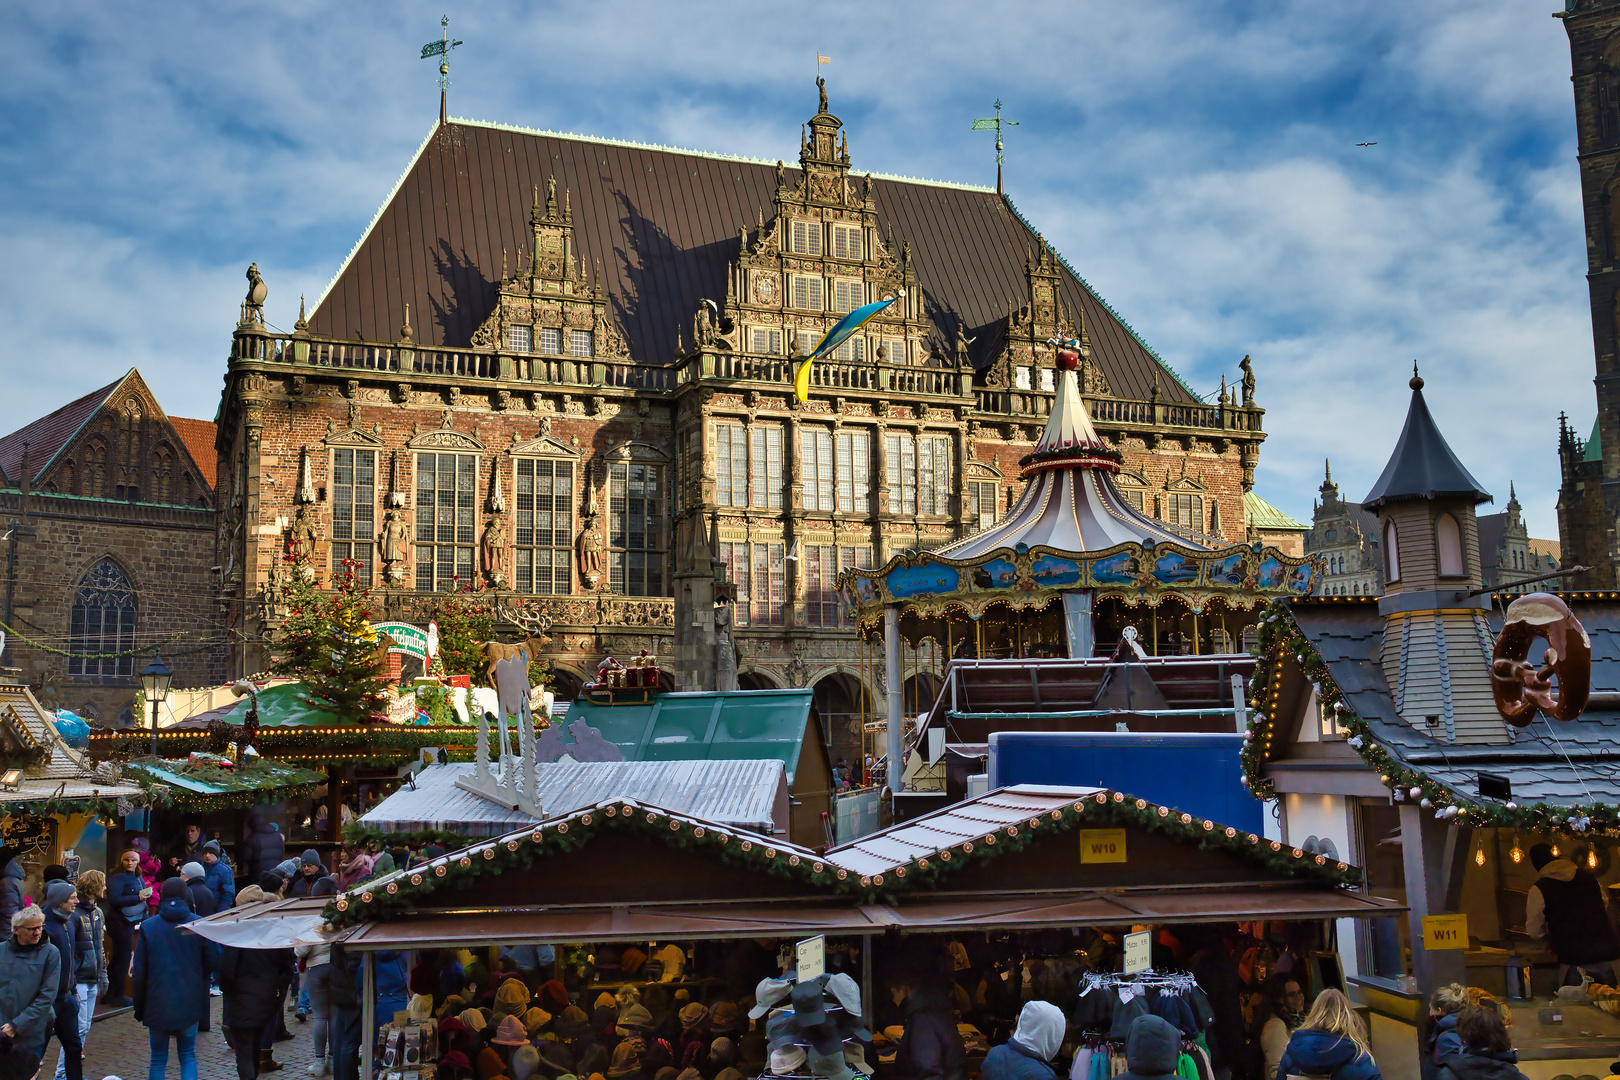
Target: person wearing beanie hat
(62, 931)
(170, 979)
(202, 897)
(310, 870)
(525, 1063)
(217, 873)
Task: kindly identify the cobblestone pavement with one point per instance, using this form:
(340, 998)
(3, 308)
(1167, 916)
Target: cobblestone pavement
(118, 1046)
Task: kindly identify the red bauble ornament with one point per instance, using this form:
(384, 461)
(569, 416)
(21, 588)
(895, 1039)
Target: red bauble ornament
(1068, 360)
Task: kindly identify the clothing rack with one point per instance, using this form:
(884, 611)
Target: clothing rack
(1177, 981)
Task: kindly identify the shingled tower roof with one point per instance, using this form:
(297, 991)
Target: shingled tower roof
(657, 228)
(1423, 465)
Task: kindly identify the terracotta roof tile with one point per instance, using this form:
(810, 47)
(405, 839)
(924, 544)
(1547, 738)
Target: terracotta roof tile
(663, 238)
(198, 435)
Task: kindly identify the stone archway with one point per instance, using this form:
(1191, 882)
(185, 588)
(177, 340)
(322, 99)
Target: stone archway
(756, 680)
(842, 703)
(565, 685)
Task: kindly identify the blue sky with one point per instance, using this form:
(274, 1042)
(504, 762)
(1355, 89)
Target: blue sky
(1195, 160)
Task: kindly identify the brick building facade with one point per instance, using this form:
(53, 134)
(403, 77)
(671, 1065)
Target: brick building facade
(110, 545)
(560, 368)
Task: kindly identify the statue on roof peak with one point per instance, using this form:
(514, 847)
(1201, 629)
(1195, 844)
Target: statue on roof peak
(821, 86)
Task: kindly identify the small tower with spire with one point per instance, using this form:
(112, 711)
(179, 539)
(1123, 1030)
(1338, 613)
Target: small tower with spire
(1429, 539)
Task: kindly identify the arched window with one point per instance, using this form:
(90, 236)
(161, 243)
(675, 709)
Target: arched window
(103, 622)
(1392, 554)
(1448, 538)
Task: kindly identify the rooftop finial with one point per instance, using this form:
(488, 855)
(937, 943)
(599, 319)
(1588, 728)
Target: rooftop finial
(1417, 380)
(441, 48)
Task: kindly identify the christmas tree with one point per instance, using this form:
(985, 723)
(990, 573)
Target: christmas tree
(345, 672)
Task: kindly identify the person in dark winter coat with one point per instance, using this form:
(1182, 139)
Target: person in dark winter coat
(1486, 1052)
(1569, 909)
(1442, 1041)
(11, 884)
(61, 900)
(170, 981)
(931, 1048)
(263, 848)
(126, 909)
(92, 971)
(1331, 1042)
(197, 890)
(310, 870)
(1152, 1048)
(253, 981)
(30, 974)
(218, 874)
(1034, 1043)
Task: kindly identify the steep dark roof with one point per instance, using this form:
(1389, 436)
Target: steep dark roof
(49, 434)
(1553, 761)
(663, 225)
(1423, 465)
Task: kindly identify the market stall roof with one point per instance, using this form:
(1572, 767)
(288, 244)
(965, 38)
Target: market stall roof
(1559, 763)
(51, 770)
(281, 704)
(215, 787)
(1071, 503)
(750, 794)
(731, 726)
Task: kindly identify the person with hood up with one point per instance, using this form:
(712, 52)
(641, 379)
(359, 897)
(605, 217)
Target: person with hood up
(170, 980)
(263, 848)
(931, 1048)
(1441, 1042)
(197, 890)
(1035, 1042)
(12, 872)
(1331, 1042)
(61, 901)
(253, 981)
(1486, 1052)
(1569, 909)
(310, 870)
(218, 874)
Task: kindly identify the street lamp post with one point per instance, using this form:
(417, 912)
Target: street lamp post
(155, 681)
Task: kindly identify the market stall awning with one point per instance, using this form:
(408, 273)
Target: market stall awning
(215, 786)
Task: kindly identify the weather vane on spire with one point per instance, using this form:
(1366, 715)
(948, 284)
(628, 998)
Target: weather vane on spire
(995, 124)
(442, 48)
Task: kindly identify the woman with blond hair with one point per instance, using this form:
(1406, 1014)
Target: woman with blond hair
(1442, 1041)
(1330, 1042)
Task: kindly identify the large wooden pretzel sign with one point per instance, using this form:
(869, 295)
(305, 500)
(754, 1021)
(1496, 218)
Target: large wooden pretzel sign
(1519, 687)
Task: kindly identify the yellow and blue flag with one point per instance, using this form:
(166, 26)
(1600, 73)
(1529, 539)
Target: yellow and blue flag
(841, 332)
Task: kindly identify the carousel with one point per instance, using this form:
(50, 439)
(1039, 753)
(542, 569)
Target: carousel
(1069, 569)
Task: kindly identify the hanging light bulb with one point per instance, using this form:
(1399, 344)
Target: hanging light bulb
(1555, 853)
(1479, 857)
(1517, 853)
(1591, 859)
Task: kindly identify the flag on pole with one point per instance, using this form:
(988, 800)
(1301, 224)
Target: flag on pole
(841, 332)
(822, 59)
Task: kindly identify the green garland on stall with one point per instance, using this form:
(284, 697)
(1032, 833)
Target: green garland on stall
(372, 744)
(357, 834)
(1281, 638)
(397, 893)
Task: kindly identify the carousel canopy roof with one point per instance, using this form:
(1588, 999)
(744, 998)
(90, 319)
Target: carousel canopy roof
(1070, 503)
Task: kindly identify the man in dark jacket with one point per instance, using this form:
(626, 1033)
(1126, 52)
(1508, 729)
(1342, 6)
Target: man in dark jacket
(1568, 908)
(61, 900)
(30, 976)
(12, 872)
(931, 1048)
(170, 980)
(218, 874)
(254, 981)
(197, 890)
(1152, 1048)
(263, 848)
(310, 870)
(1035, 1042)
(188, 850)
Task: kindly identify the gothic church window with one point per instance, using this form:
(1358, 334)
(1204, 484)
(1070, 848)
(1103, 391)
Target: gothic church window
(162, 474)
(550, 341)
(102, 622)
(544, 536)
(354, 512)
(1448, 538)
(446, 493)
(806, 238)
(636, 529)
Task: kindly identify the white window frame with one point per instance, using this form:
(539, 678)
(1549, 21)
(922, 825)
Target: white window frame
(581, 344)
(559, 545)
(847, 242)
(806, 238)
(853, 455)
(816, 469)
(809, 292)
(520, 339)
(549, 341)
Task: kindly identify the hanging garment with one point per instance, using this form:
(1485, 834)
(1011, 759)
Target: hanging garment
(1185, 1069)
(1081, 1069)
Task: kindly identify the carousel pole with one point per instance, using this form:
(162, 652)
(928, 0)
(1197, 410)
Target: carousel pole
(892, 690)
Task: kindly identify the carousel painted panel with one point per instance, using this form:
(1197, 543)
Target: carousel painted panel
(926, 579)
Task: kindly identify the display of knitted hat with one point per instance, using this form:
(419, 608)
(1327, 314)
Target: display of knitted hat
(812, 1027)
(511, 998)
(525, 1063)
(420, 1007)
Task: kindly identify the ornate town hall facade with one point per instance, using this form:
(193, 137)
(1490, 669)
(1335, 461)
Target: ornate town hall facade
(560, 368)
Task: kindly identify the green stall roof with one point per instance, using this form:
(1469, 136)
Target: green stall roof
(719, 726)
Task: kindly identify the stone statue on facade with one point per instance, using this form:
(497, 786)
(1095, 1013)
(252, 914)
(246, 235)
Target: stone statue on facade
(725, 650)
(821, 87)
(494, 552)
(1248, 380)
(394, 539)
(591, 564)
(305, 534)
